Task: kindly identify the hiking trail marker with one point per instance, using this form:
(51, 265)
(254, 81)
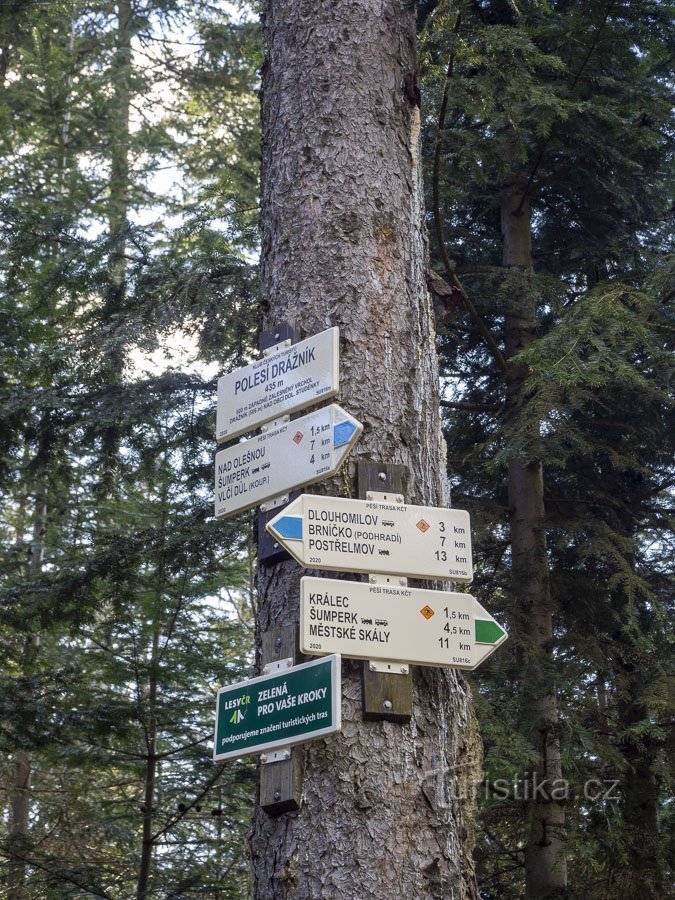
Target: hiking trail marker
(286, 455)
(289, 378)
(285, 706)
(346, 535)
(398, 624)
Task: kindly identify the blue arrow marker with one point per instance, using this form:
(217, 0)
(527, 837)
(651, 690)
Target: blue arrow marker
(289, 527)
(342, 433)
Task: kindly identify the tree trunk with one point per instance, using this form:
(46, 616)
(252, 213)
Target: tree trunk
(645, 870)
(18, 843)
(387, 810)
(118, 210)
(545, 866)
(23, 760)
(149, 793)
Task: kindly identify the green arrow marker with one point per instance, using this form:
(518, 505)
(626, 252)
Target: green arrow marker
(488, 632)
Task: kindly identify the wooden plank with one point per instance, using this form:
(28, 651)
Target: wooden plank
(285, 331)
(281, 782)
(269, 551)
(384, 696)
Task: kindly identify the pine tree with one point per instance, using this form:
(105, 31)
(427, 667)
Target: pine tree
(74, 306)
(560, 144)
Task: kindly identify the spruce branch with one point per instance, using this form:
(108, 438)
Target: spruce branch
(471, 407)
(181, 813)
(440, 238)
(573, 84)
(60, 875)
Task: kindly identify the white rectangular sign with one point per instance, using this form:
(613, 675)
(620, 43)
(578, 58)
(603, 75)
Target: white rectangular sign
(283, 382)
(397, 624)
(285, 457)
(370, 536)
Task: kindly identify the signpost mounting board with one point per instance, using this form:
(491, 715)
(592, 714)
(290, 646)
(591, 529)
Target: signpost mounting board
(402, 624)
(346, 535)
(286, 707)
(289, 379)
(286, 456)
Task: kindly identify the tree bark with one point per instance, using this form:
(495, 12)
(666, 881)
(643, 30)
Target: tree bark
(645, 870)
(387, 810)
(149, 793)
(545, 867)
(23, 759)
(118, 211)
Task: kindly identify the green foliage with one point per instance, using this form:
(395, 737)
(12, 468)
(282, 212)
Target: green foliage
(123, 604)
(569, 102)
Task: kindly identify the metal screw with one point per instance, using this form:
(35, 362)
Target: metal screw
(263, 757)
(277, 336)
(402, 581)
(404, 670)
(277, 795)
(399, 498)
(382, 476)
(373, 579)
(371, 666)
(277, 642)
(369, 495)
(263, 428)
(263, 507)
(276, 545)
(387, 704)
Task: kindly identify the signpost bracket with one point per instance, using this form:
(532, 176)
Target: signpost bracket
(277, 666)
(273, 756)
(281, 784)
(388, 668)
(385, 694)
(268, 351)
(385, 666)
(272, 504)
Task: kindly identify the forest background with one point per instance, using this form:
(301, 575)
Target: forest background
(129, 144)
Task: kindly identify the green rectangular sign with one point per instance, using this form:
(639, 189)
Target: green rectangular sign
(286, 707)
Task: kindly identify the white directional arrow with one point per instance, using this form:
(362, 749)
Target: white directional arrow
(371, 536)
(284, 457)
(397, 624)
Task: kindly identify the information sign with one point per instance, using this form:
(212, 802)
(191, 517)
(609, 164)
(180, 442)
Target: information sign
(287, 707)
(398, 624)
(290, 379)
(371, 536)
(285, 457)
